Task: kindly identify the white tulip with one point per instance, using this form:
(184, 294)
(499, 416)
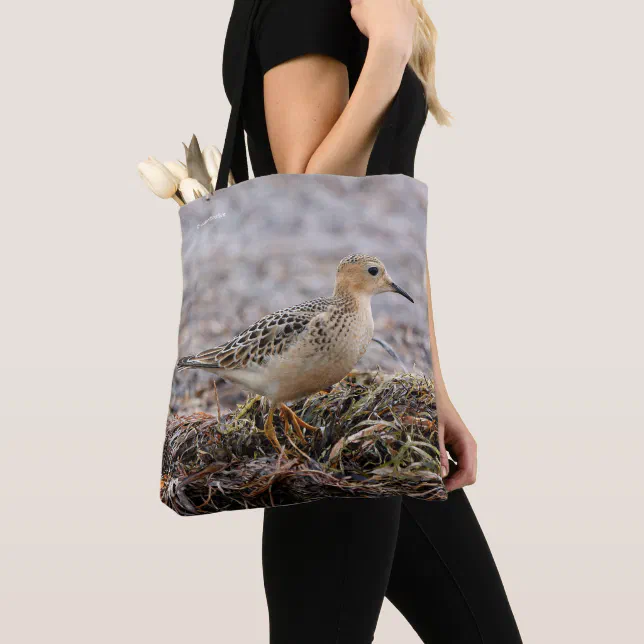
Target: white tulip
(191, 189)
(158, 178)
(212, 160)
(178, 169)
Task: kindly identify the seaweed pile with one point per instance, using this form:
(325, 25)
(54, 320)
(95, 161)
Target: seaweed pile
(378, 436)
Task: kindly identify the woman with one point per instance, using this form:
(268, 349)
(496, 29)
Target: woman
(320, 79)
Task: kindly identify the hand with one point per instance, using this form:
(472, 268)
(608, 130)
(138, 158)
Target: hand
(387, 22)
(453, 433)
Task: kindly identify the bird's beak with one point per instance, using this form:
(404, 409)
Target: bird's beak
(396, 289)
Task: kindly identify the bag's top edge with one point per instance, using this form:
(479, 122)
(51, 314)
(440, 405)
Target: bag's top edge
(306, 177)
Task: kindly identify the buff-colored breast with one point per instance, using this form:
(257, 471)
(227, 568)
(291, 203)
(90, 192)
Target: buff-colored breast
(324, 355)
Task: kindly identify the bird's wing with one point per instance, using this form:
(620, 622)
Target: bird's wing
(268, 337)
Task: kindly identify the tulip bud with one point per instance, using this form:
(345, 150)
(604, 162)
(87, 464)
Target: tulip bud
(212, 160)
(191, 189)
(178, 169)
(158, 178)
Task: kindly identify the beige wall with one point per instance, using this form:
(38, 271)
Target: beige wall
(535, 239)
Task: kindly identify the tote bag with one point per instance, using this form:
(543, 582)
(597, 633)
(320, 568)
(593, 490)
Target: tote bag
(304, 366)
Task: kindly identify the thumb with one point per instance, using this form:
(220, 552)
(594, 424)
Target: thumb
(443, 451)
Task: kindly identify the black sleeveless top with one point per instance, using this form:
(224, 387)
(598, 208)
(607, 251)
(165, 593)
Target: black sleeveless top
(286, 29)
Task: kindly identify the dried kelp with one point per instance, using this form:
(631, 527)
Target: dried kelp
(377, 436)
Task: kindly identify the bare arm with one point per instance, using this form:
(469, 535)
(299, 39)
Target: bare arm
(452, 430)
(313, 125)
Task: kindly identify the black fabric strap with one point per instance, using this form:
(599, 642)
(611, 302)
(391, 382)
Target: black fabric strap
(233, 156)
(380, 159)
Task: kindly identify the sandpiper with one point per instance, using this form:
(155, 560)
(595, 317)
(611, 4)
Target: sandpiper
(305, 348)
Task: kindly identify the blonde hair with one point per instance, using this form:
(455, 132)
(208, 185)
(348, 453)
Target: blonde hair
(423, 62)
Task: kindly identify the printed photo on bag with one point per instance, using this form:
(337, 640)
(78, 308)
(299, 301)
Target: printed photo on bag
(304, 367)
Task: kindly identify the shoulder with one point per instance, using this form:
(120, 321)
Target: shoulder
(286, 29)
(304, 11)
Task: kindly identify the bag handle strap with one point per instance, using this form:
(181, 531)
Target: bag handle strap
(385, 140)
(233, 156)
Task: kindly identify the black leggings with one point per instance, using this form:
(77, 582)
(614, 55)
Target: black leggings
(329, 564)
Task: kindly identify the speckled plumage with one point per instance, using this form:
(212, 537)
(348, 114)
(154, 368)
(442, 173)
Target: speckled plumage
(302, 349)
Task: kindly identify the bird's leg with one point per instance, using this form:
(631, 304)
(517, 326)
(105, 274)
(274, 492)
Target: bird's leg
(297, 422)
(284, 418)
(269, 429)
(285, 413)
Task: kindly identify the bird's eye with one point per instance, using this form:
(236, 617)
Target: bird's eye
(373, 270)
